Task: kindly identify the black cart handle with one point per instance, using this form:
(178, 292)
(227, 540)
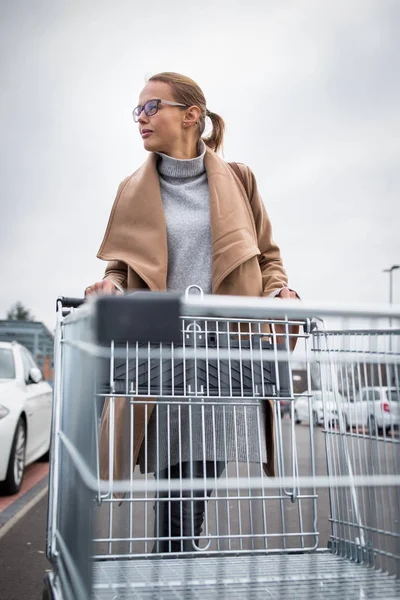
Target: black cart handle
(67, 302)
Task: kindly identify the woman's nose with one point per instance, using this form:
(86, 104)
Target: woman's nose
(143, 118)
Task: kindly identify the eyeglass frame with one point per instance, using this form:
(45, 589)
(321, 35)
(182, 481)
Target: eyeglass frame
(158, 100)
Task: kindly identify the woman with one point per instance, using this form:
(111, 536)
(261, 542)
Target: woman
(186, 217)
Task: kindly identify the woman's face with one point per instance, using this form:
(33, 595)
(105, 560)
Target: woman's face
(164, 131)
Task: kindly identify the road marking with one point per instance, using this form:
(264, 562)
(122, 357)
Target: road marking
(22, 512)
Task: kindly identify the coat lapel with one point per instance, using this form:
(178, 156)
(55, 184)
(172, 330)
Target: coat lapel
(233, 235)
(136, 232)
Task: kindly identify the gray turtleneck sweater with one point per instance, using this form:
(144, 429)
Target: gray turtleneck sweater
(186, 201)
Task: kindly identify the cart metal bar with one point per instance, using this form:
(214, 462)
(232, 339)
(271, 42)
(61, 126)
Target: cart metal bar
(236, 307)
(54, 444)
(261, 308)
(320, 481)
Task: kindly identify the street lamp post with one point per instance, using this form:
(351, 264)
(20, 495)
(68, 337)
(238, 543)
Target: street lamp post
(390, 271)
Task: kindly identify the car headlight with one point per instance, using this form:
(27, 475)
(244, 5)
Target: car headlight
(3, 411)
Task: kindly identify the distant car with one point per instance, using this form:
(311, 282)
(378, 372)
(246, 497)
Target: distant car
(25, 414)
(321, 403)
(376, 408)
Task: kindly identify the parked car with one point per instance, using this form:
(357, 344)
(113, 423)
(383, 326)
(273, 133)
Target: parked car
(320, 402)
(376, 408)
(25, 414)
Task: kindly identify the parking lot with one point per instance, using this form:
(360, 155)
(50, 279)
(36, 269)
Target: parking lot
(22, 537)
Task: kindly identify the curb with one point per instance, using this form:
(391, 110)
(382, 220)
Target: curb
(14, 508)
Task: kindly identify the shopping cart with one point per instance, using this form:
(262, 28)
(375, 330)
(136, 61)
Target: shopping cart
(137, 376)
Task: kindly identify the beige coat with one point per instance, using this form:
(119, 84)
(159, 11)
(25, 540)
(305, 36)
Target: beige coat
(245, 262)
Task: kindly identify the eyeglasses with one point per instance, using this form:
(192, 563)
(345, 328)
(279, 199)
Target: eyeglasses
(151, 108)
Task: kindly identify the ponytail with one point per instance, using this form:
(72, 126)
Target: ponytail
(216, 138)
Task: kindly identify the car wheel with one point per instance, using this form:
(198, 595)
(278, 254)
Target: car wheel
(16, 464)
(296, 417)
(315, 418)
(372, 425)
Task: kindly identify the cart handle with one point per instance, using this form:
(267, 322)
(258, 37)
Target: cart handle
(67, 302)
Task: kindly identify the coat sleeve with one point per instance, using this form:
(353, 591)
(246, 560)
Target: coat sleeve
(117, 272)
(274, 276)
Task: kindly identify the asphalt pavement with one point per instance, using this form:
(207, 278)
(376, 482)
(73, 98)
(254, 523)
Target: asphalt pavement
(23, 561)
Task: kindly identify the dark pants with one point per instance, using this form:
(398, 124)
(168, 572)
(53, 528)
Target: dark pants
(182, 518)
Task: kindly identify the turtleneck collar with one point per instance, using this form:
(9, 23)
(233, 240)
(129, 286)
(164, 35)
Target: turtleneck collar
(175, 167)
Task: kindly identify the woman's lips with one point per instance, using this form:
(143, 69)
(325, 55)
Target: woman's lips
(146, 132)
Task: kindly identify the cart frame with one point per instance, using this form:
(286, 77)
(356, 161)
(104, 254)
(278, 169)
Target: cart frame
(362, 469)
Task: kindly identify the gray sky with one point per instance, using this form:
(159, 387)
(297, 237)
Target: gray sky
(309, 90)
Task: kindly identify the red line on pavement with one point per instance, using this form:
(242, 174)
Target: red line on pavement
(33, 474)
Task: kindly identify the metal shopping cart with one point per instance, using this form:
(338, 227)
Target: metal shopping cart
(289, 510)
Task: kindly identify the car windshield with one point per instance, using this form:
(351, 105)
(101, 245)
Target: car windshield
(7, 369)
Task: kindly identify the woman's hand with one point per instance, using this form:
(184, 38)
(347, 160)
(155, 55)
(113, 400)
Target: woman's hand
(101, 288)
(286, 294)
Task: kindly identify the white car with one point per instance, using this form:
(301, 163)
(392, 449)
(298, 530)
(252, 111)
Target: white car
(320, 402)
(376, 408)
(25, 414)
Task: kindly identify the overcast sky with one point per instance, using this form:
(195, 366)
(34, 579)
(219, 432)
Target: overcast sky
(309, 90)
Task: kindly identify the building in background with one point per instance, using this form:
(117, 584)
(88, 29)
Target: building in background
(36, 337)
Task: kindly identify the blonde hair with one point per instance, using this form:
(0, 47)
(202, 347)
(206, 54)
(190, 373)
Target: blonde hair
(187, 92)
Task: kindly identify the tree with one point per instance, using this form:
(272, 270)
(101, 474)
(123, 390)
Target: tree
(18, 312)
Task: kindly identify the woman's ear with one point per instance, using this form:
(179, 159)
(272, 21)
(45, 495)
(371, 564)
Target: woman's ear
(192, 116)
